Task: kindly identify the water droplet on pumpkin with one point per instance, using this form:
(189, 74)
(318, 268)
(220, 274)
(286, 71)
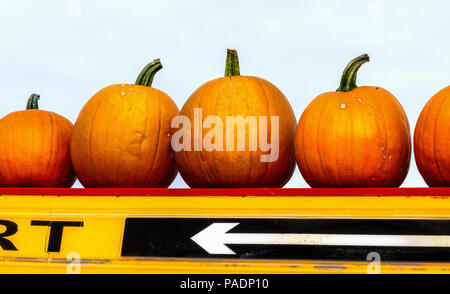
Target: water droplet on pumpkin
(390, 157)
(373, 179)
(343, 106)
(382, 148)
(123, 93)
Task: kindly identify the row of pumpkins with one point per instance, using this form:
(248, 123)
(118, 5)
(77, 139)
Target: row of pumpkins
(353, 137)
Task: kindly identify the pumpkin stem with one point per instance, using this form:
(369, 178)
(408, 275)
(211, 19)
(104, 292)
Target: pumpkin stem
(232, 63)
(348, 80)
(145, 78)
(33, 101)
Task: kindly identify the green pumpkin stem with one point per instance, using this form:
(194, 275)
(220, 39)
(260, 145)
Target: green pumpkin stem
(348, 80)
(33, 101)
(232, 63)
(146, 76)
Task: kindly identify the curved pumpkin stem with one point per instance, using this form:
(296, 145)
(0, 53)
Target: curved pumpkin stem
(232, 63)
(33, 101)
(146, 76)
(348, 80)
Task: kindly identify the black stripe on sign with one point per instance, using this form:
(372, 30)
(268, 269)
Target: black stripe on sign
(171, 237)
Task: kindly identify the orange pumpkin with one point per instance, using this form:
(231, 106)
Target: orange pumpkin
(354, 137)
(122, 136)
(35, 148)
(236, 160)
(431, 140)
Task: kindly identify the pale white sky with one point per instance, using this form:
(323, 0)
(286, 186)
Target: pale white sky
(66, 50)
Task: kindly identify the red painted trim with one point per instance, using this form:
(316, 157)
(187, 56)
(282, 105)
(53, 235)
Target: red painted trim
(229, 191)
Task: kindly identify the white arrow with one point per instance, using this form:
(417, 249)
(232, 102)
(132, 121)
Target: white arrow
(214, 237)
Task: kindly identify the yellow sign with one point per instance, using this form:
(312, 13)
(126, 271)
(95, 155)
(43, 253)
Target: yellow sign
(126, 234)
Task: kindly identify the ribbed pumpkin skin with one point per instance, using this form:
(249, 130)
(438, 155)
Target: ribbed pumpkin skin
(35, 150)
(432, 140)
(122, 138)
(239, 96)
(359, 138)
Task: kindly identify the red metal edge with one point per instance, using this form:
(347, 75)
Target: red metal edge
(228, 191)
